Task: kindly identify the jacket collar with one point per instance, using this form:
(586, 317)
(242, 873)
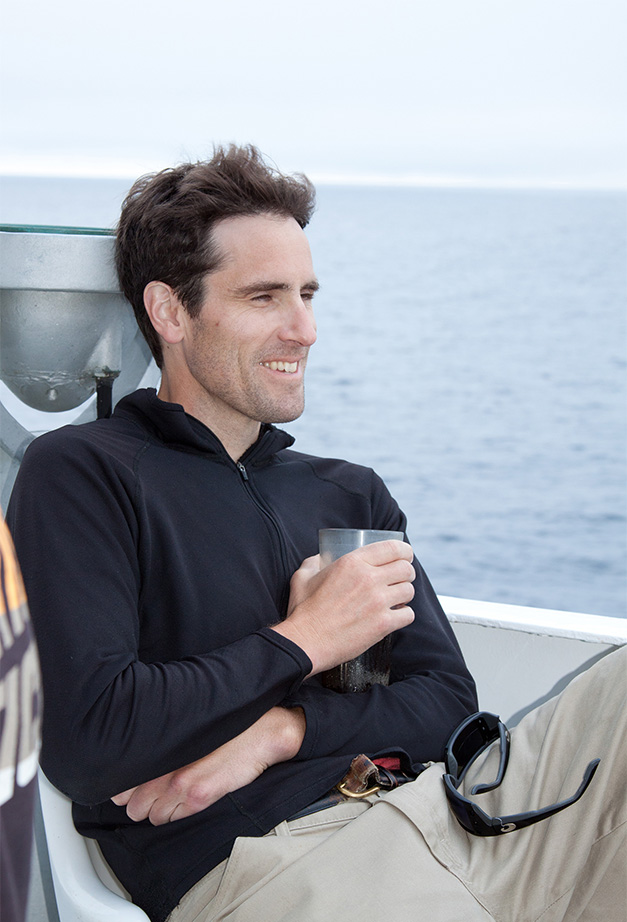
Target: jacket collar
(170, 424)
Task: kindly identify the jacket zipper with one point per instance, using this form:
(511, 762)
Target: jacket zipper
(268, 513)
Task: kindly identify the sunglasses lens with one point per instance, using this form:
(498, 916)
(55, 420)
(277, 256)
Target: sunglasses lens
(467, 746)
(469, 741)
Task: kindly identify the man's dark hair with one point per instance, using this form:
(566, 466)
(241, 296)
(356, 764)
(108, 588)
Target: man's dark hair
(164, 232)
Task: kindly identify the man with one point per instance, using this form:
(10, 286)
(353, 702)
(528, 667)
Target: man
(183, 620)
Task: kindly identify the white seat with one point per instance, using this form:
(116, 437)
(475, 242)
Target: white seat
(84, 887)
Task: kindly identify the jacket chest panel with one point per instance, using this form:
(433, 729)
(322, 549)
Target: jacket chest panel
(213, 560)
(218, 546)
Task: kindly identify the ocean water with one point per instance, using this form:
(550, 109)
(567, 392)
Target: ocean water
(473, 350)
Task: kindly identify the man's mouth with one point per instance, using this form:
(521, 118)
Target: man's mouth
(288, 367)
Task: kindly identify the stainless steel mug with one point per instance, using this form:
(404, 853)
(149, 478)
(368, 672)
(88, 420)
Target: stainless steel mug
(372, 667)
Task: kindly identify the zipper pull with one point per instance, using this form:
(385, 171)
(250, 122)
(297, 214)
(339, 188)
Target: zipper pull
(242, 470)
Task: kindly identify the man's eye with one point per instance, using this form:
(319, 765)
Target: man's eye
(264, 298)
(307, 295)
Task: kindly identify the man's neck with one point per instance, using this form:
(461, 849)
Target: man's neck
(235, 444)
(236, 434)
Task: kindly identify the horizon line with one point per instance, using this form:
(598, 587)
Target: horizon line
(131, 169)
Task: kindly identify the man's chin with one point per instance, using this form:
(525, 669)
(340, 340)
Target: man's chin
(285, 414)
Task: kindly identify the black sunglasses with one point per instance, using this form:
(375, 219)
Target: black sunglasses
(468, 741)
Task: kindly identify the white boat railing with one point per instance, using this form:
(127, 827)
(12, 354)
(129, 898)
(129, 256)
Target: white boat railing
(522, 656)
(576, 625)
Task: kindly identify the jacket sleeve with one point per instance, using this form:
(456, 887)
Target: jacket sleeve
(430, 690)
(112, 721)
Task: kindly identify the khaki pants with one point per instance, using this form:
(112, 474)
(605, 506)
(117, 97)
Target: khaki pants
(404, 857)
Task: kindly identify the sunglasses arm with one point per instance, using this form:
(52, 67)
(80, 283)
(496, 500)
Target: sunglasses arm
(475, 820)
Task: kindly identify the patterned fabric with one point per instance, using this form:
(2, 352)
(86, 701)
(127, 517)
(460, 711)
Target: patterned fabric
(20, 713)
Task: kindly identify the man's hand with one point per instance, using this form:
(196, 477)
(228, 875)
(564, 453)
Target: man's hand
(336, 613)
(275, 737)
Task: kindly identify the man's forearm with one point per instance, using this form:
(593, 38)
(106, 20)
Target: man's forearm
(275, 737)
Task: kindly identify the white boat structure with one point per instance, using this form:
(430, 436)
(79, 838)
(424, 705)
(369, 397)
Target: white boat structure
(67, 333)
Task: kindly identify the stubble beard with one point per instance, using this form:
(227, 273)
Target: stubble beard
(279, 409)
(276, 410)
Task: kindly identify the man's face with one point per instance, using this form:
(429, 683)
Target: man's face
(247, 349)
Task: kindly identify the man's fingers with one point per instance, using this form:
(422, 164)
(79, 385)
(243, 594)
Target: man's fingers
(179, 813)
(393, 563)
(140, 804)
(383, 552)
(311, 564)
(163, 812)
(122, 799)
(400, 571)
(154, 798)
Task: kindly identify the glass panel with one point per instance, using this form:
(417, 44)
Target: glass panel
(49, 229)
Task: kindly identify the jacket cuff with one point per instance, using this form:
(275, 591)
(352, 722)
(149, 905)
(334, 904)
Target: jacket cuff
(299, 656)
(301, 698)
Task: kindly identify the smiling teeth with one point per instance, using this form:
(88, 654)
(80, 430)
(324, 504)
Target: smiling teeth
(289, 367)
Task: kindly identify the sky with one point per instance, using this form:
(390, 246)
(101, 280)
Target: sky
(455, 91)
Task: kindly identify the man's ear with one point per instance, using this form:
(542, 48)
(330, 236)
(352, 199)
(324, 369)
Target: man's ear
(165, 311)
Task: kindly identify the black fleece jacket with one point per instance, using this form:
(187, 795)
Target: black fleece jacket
(154, 565)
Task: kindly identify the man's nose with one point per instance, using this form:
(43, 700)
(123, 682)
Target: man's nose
(300, 323)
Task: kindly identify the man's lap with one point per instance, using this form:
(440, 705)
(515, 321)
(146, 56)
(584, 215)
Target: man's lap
(408, 859)
(323, 866)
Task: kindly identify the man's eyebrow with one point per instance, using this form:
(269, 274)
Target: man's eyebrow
(262, 285)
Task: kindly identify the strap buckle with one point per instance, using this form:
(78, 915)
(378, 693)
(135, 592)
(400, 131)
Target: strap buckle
(357, 795)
